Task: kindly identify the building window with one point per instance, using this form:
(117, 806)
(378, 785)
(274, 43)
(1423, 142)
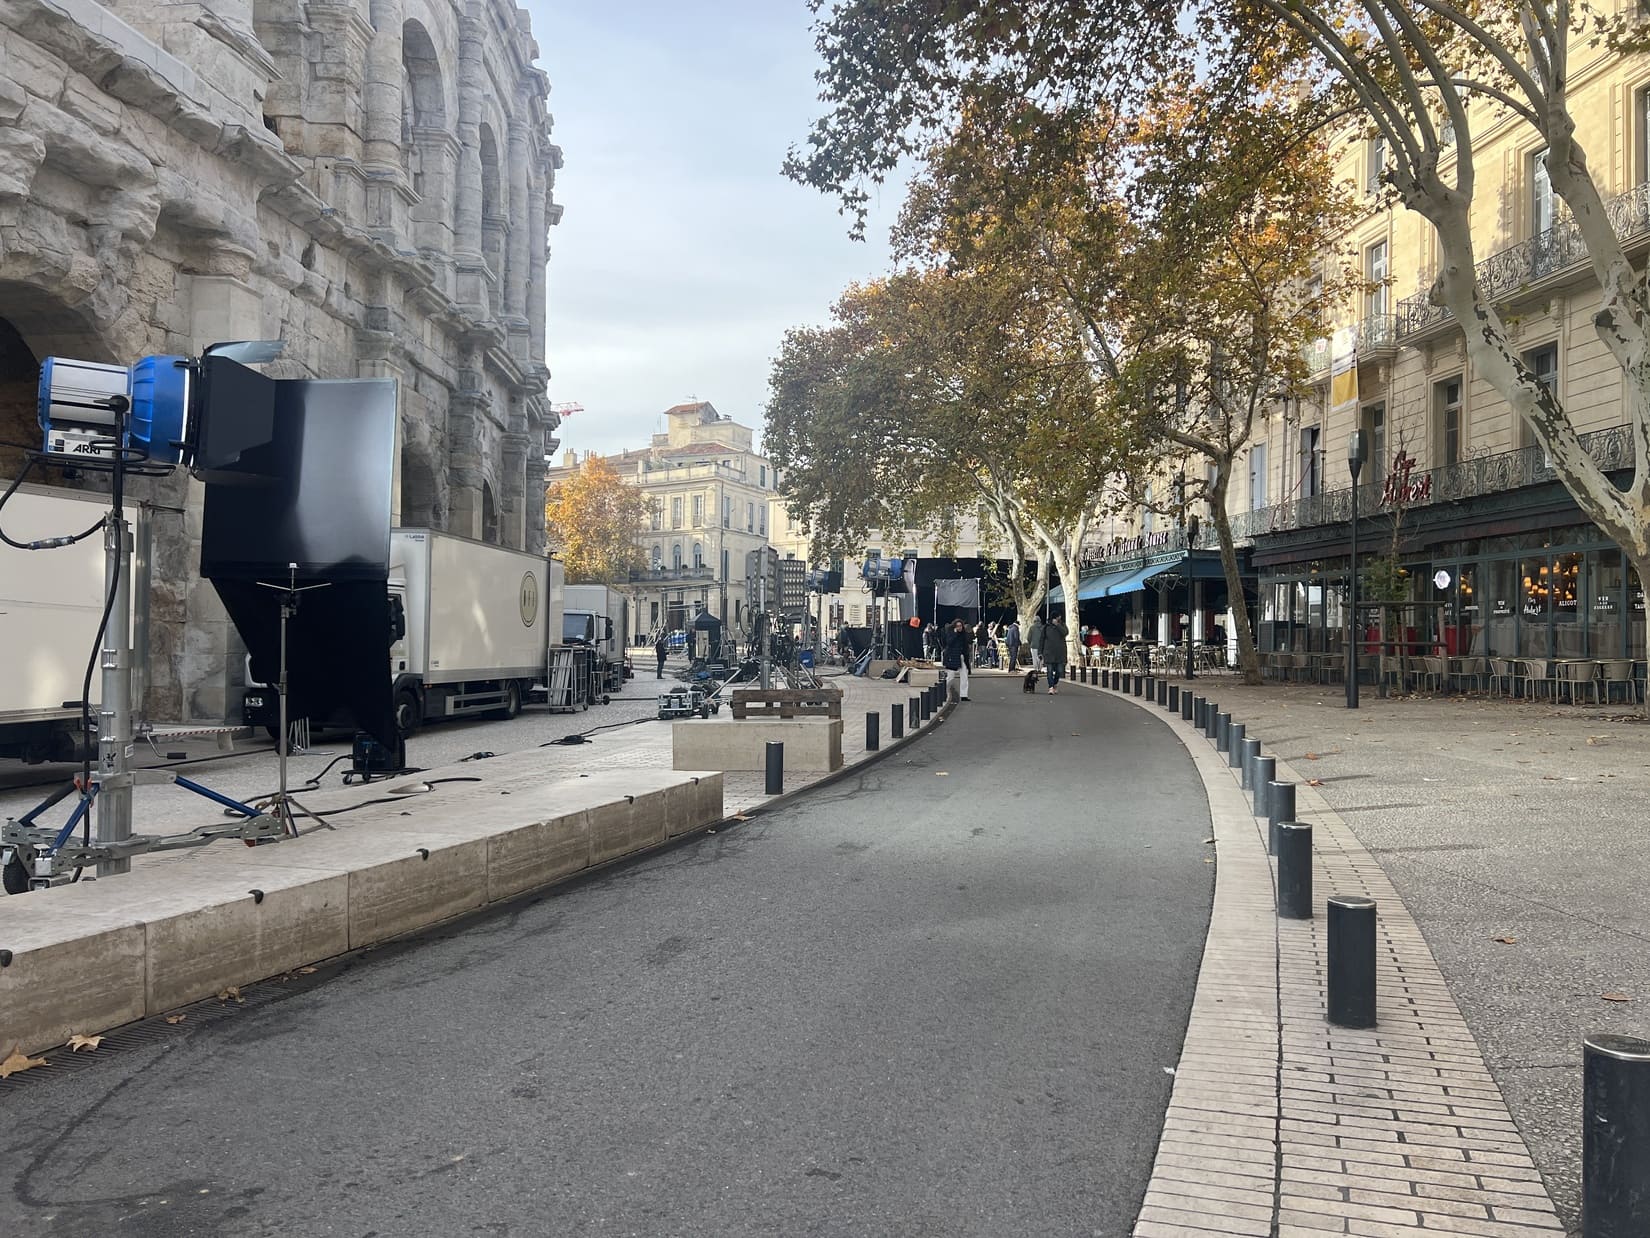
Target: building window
(1375, 272)
(658, 514)
(762, 476)
(1641, 116)
(676, 556)
(1373, 424)
(1311, 461)
(1377, 165)
(698, 510)
(762, 520)
(1257, 477)
(698, 556)
(1541, 194)
(1446, 132)
(1146, 509)
(658, 557)
(750, 517)
(1543, 364)
(724, 565)
(676, 513)
(1446, 407)
(727, 513)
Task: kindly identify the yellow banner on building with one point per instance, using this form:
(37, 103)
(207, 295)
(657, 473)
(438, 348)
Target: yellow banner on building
(1343, 371)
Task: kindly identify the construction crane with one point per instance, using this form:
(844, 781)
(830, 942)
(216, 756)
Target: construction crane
(566, 410)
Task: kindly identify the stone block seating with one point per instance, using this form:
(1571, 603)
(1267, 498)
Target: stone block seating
(813, 745)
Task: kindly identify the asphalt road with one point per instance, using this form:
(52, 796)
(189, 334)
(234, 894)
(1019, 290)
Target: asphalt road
(936, 998)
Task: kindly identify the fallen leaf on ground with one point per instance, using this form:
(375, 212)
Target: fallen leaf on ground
(176, 1018)
(231, 994)
(1505, 941)
(942, 773)
(78, 1042)
(1208, 840)
(306, 971)
(1594, 740)
(1311, 756)
(1314, 782)
(739, 816)
(1207, 860)
(16, 1062)
(1615, 997)
(1550, 778)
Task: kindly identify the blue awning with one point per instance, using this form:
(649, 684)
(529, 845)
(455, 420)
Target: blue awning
(1098, 585)
(1133, 580)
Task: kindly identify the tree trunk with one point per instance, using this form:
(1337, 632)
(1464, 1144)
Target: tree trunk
(1070, 571)
(1248, 659)
(1028, 602)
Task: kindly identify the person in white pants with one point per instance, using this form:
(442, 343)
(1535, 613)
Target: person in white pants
(958, 649)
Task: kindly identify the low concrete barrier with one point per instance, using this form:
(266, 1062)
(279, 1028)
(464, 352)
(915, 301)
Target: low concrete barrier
(812, 745)
(88, 957)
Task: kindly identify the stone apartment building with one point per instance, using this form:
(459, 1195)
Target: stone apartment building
(1497, 553)
(709, 493)
(369, 180)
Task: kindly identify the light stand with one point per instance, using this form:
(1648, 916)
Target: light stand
(1355, 463)
(1188, 534)
(283, 801)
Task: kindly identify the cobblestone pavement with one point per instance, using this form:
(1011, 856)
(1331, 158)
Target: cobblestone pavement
(1509, 830)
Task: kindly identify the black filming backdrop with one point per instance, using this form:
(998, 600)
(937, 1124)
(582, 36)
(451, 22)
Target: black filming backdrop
(316, 493)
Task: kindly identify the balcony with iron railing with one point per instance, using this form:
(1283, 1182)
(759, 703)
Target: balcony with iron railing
(1559, 251)
(669, 575)
(1611, 449)
(1374, 338)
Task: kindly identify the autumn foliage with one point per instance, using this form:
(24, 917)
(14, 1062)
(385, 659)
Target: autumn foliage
(594, 520)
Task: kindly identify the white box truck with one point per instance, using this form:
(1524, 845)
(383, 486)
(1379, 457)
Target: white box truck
(51, 602)
(473, 623)
(598, 617)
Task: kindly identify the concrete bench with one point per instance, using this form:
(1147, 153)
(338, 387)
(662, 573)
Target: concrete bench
(812, 745)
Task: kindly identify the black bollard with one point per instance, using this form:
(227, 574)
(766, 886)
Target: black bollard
(1223, 732)
(1094, 676)
(1615, 1136)
(1266, 769)
(1150, 686)
(1351, 960)
(1234, 744)
(912, 711)
(1200, 709)
(1163, 692)
(1142, 683)
(776, 767)
(896, 722)
(927, 705)
(1211, 719)
(1294, 868)
(1251, 750)
(1186, 703)
(873, 740)
(1173, 691)
(1280, 807)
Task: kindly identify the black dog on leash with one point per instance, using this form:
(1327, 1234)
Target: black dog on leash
(1031, 682)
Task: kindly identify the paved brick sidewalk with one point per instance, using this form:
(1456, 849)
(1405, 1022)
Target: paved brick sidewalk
(1280, 1123)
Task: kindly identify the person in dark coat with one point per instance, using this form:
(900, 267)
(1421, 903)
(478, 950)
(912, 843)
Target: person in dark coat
(957, 654)
(1054, 652)
(661, 650)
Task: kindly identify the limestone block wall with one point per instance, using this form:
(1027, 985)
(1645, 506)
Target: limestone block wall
(176, 175)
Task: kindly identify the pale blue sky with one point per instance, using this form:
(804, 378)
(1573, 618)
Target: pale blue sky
(683, 254)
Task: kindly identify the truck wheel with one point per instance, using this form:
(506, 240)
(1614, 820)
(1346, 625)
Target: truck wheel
(512, 702)
(407, 713)
(16, 876)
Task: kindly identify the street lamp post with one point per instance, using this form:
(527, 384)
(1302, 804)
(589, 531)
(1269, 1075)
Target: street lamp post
(1355, 463)
(1186, 538)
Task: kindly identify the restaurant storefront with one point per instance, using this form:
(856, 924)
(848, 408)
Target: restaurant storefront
(1517, 572)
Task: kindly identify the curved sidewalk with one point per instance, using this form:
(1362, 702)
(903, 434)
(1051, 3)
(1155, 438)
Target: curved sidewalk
(1280, 1123)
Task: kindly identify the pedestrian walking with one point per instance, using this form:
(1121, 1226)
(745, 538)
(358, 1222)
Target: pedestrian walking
(1011, 638)
(1054, 652)
(661, 650)
(959, 652)
(1034, 642)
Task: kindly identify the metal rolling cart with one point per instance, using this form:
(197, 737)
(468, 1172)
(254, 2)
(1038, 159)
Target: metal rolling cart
(567, 686)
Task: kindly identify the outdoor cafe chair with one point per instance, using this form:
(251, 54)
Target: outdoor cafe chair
(1619, 672)
(1578, 674)
(1503, 676)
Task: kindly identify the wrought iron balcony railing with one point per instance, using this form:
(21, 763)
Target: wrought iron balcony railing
(1558, 249)
(1376, 332)
(646, 574)
(1611, 449)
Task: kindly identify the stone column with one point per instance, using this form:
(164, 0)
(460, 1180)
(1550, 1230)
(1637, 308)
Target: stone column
(382, 88)
(514, 492)
(472, 82)
(519, 253)
(538, 251)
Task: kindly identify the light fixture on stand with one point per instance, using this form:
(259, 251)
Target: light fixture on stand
(1354, 462)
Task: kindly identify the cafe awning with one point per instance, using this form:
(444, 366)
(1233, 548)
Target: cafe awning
(1132, 580)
